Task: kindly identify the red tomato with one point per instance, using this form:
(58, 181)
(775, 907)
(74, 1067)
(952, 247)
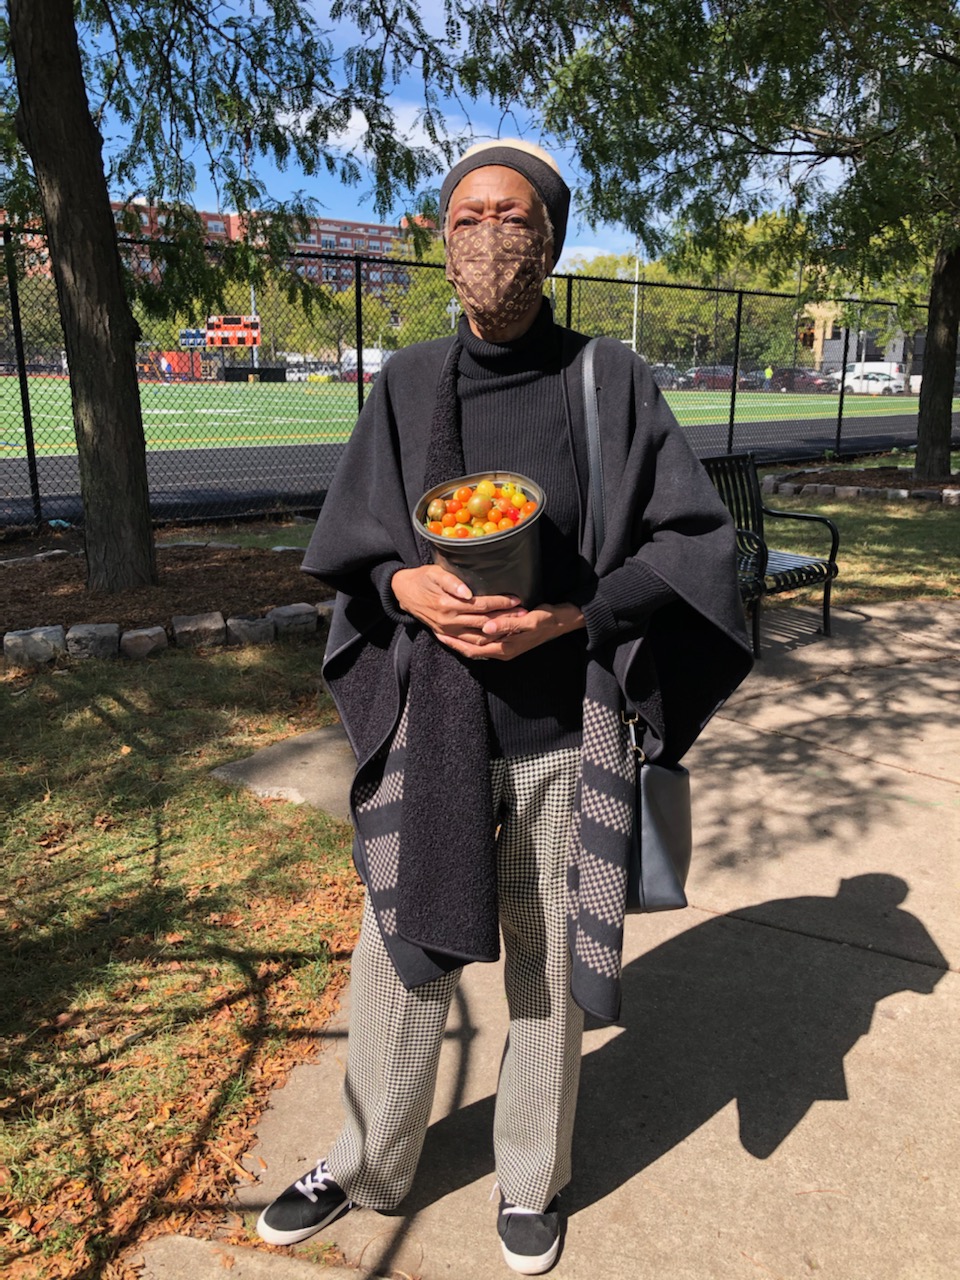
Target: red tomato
(448, 519)
(453, 505)
(462, 531)
(463, 495)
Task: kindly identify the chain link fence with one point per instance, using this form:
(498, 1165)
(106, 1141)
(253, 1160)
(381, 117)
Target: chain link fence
(246, 413)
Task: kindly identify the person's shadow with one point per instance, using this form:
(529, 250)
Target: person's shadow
(759, 1006)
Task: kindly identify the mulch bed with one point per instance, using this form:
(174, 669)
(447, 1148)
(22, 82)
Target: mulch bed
(869, 478)
(40, 593)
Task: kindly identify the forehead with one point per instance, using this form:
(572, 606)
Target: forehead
(494, 182)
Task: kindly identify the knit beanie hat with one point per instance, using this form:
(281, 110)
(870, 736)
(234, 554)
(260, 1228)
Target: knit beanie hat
(536, 165)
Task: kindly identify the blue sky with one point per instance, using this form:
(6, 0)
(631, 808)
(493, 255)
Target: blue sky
(485, 121)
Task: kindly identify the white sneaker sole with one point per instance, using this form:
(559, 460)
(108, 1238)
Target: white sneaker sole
(273, 1236)
(529, 1266)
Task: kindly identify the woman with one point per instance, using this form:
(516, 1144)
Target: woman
(494, 783)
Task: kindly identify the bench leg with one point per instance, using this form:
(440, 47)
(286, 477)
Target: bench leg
(755, 610)
(826, 606)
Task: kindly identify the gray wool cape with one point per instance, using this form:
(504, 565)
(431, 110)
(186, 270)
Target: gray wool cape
(660, 506)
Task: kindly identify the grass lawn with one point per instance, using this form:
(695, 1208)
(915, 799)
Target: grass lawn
(171, 945)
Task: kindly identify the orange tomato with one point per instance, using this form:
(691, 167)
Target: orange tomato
(463, 495)
(435, 526)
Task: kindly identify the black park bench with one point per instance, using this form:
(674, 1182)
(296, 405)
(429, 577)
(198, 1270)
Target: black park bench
(763, 571)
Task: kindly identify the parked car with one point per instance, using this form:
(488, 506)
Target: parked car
(753, 380)
(798, 379)
(665, 375)
(713, 377)
(874, 384)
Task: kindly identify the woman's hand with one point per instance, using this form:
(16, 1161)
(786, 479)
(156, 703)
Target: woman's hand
(510, 634)
(449, 608)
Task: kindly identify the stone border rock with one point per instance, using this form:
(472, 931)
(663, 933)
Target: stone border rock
(38, 645)
(787, 489)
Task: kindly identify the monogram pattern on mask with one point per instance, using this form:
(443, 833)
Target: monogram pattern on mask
(497, 271)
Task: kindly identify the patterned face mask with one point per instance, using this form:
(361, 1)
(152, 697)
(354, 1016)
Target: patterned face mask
(498, 271)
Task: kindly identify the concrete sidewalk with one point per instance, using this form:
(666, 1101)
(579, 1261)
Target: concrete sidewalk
(781, 1099)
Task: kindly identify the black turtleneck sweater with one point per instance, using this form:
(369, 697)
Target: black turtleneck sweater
(513, 418)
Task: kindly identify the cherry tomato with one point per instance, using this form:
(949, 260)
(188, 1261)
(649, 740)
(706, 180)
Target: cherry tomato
(487, 488)
(478, 504)
(436, 509)
(453, 505)
(463, 495)
(435, 526)
(491, 527)
(463, 516)
(448, 519)
(506, 524)
(528, 508)
(461, 531)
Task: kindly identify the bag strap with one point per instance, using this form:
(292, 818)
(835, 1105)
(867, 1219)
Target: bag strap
(594, 452)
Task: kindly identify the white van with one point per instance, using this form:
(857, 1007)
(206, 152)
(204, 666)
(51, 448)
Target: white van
(860, 368)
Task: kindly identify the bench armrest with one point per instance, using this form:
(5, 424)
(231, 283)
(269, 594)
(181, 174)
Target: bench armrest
(808, 515)
(750, 543)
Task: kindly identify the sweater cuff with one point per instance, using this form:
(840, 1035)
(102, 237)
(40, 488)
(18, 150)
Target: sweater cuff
(619, 604)
(381, 576)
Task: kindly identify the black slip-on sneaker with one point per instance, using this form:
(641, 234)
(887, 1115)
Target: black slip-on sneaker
(530, 1241)
(307, 1206)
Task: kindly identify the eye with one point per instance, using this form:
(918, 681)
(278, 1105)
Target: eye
(464, 220)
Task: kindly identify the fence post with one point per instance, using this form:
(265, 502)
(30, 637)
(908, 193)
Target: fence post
(843, 383)
(358, 321)
(569, 320)
(735, 377)
(22, 372)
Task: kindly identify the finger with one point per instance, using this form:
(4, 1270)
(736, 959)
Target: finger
(450, 584)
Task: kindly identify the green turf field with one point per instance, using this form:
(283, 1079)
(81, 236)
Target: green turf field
(224, 415)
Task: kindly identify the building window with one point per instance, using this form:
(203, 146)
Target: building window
(328, 242)
(312, 271)
(375, 275)
(311, 239)
(375, 245)
(216, 226)
(346, 242)
(329, 273)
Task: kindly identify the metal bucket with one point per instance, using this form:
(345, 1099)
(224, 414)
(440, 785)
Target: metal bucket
(498, 563)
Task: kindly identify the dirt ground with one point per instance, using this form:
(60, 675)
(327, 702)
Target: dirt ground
(870, 478)
(53, 592)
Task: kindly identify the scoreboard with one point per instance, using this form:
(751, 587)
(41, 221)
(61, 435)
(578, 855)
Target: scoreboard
(233, 331)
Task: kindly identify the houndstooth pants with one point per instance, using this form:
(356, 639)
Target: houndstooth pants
(396, 1034)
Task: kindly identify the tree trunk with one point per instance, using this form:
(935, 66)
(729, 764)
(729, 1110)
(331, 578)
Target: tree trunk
(935, 420)
(100, 333)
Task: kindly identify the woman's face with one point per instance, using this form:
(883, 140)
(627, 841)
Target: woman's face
(495, 193)
(502, 295)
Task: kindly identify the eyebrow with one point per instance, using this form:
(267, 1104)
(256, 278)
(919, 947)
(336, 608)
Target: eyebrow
(502, 203)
